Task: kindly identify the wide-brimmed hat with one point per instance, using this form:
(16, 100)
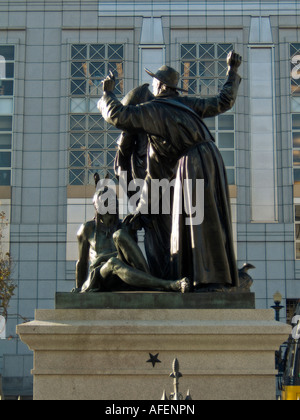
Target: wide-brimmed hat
(167, 76)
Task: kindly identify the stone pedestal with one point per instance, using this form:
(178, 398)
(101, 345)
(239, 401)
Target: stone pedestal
(102, 354)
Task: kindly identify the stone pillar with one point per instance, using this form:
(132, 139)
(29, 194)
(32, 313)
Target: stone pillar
(103, 354)
(262, 122)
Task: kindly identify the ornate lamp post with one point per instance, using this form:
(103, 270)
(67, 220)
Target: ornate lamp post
(277, 307)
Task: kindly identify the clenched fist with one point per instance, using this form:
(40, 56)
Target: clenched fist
(234, 61)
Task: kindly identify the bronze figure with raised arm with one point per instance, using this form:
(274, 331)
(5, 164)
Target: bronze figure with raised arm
(181, 144)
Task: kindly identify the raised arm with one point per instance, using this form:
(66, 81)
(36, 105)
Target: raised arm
(144, 118)
(126, 118)
(225, 100)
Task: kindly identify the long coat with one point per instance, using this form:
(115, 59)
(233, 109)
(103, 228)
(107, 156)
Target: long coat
(133, 158)
(181, 142)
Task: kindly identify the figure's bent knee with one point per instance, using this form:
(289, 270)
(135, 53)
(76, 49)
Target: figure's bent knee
(119, 236)
(113, 260)
(112, 263)
(109, 267)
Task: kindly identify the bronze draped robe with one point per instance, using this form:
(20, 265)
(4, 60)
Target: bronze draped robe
(180, 141)
(133, 158)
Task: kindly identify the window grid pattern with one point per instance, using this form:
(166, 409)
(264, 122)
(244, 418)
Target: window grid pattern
(295, 117)
(204, 72)
(7, 69)
(93, 142)
(297, 231)
(295, 69)
(295, 106)
(291, 306)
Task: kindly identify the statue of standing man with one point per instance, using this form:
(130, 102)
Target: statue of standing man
(180, 142)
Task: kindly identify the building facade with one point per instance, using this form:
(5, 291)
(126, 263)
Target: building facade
(53, 56)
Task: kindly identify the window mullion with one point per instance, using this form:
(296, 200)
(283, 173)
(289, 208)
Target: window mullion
(95, 155)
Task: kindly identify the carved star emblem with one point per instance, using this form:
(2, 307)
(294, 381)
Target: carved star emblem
(153, 359)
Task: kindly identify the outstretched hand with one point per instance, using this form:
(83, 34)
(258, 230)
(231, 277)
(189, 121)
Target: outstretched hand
(234, 61)
(109, 83)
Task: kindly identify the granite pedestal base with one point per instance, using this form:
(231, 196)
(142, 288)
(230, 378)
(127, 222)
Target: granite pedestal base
(102, 354)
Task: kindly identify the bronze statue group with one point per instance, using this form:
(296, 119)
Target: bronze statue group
(164, 137)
